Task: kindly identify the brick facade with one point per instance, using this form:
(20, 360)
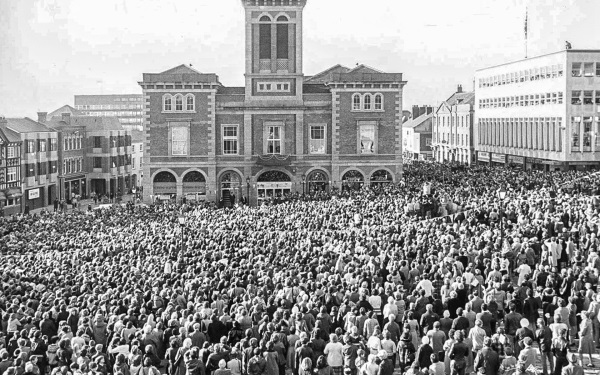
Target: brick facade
(228, 137)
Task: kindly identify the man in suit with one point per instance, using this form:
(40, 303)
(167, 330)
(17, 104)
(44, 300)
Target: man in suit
(487, 358)
(486, 317)
(573, 368)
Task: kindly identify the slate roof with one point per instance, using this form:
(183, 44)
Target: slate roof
(413, 123)
(461, 98)
(26, 125)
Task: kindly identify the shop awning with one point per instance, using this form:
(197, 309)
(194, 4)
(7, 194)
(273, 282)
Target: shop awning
(14, 193)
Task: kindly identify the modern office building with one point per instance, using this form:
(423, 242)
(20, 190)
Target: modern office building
(39, 161)
(453, 128)
(282, 132)
(127, 108)
(542, 112)
(10, 171)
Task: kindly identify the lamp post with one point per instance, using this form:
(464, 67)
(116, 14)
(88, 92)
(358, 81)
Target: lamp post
(502, 196)
(248, 190)
(181, 220)
(303, 184)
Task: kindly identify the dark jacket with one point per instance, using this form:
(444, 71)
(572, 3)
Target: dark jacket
(489, 360)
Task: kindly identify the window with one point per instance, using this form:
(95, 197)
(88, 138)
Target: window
(10, 152)
(367, 102)
(366, 137)
(576, 97)
(11, 174)
(356, 102)
(230, 140)
(179, 137)
(587, 133)
(588, 69)
(560, 98)
(378, 102)
(273, 87)
(30, 146)
(167, 103)
(29, 170)
(588, 97)
(575, 125)
(264, 48)
(97, 162)
(66, 146)
(53, 166)
(317, 139)
(189, 102)
(282, 40)
(428, 142)
(273, 140)
(178, 102)
(576, 70)
(64, 167)
(42, 168)
(598, 97)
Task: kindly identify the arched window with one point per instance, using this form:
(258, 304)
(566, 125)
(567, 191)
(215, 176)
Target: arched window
(265, 18)
(367, 102)
(189, 102)
(167, 103)
(66, 144)
(178, 102)
(378, 102)
(64, 167)
(283, 18)
(356, 102)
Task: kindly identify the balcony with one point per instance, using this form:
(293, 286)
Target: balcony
(264, 65)
(283, 65)
(271, 160)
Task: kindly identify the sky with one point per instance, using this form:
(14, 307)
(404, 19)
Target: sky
(51, 50)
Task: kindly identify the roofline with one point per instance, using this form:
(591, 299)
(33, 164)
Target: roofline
(535, 57)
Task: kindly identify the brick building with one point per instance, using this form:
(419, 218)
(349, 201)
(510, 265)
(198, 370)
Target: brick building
(39, 161)
(282, 132)
(10, 171)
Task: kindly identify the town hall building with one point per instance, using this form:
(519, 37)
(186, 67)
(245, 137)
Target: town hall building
(283, 132)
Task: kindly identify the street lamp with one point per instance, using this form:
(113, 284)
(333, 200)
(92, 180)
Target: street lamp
(303, 182)
(181, 220)
(502, 196)
(248, 190)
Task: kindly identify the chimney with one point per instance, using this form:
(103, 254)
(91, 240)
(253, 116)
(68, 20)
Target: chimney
(66, 117)
(459, 89)
(42, 117)
(3, 121)
(415, 111)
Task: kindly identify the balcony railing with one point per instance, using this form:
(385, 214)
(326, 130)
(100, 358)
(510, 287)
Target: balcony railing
(283, 65)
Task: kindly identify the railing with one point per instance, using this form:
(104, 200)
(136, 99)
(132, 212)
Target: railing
(282, 65)
(264, 65)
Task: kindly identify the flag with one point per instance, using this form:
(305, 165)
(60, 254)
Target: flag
(525, 23)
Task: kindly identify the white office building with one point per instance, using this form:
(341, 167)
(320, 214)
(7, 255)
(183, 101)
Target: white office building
(542, 112)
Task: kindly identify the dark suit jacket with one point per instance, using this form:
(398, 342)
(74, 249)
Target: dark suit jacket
(572, 370)
(489, 358)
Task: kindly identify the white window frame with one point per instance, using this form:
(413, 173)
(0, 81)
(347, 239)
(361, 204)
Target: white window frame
(226, 138)
(10, 152)
(369, 98)
(170, 103)
(380, 96)
(272, 87)
(359, 127)
(311, 139)
(193, 103)
(178, 100)
(357, 106)
(12, 174)
(281, 138)
(186, 143)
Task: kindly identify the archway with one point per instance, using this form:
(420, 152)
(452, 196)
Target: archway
(273, 186)
(230, 185)
(317, 182)
(352, 180)
(194, 186)
(164, 186)
(381, 177)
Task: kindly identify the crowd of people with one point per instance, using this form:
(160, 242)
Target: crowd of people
(451, 279)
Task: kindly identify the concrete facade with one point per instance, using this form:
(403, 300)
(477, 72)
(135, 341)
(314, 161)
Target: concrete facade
(281, 133)
(128, 108)
(542, 112)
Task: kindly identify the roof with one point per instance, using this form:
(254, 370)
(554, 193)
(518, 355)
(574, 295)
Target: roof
(181, 69)
(9, 136)
(97, 123)
(316, 89)
(26, 125)
(325, 76)
(461, 98)
(544, 55)
(413, 123)
(362, 68)
(64, 109)
(231, 91)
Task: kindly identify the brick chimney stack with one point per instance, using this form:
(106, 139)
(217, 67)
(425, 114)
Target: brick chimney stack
(459, 89)
(42, 117)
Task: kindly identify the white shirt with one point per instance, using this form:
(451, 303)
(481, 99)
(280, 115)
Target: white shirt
(427, 286)
(334, 352)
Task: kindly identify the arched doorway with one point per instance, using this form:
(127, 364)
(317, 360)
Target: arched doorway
(352, 180)
(317, 182)
(381, 177)
(230, 185)
(273, 186)
(164, 186)
(194, 186)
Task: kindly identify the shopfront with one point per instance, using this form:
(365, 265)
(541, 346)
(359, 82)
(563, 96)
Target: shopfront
(516, 161)
(74, 186)
(483, 157)
(381, 177)
(498, 159)
(34, 198)
(164, 186)
(317, 182)
(353, 180)
(194, 186)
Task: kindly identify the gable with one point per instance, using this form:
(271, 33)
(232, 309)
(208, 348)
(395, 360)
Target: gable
(364, 69)
(325, 76)
(181, 69)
